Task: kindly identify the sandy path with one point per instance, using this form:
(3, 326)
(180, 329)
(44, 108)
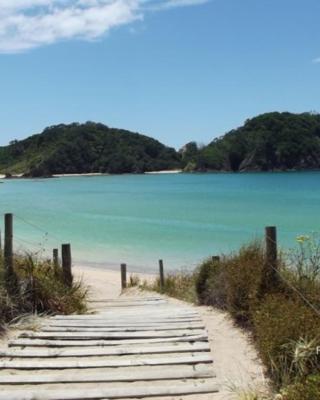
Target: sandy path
(237, 365)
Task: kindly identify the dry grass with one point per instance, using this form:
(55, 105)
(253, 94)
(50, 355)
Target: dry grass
(282, 318)
(39, 288)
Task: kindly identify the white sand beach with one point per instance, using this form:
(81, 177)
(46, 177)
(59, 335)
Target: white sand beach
(76, 175)
(174, 171)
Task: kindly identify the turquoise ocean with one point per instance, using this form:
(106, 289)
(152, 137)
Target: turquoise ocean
(138, 219)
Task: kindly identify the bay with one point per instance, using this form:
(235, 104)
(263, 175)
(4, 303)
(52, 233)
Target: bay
(137, 219)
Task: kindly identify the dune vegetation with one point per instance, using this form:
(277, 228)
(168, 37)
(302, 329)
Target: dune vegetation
(37, 286)
(283, 318)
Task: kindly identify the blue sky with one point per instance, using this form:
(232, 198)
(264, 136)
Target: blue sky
(176, 70)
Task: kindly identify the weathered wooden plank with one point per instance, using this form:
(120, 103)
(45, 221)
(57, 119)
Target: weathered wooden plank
(33, 364)
(120, 329)
(88, 343)
(110, 335)
(101, 393)
(127, 299)
(127, 321)
(124, 322)
(108, 351)
(108, 324)
(130, 303)
(122, 375)
(139, 316)
(170, 314)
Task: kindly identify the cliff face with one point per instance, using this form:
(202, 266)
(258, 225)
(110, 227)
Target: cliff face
(269, 142)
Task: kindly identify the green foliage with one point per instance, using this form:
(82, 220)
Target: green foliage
(40, 289)
(180, 285)
(309, 389)
(283, 318)
(272, 141)
(280, 323)
(209, 284)
(234, 282)
(86, 148)
(134, 281)
(283, 323)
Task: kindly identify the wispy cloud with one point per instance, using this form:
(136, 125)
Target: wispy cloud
(26, 24)
(316, 60)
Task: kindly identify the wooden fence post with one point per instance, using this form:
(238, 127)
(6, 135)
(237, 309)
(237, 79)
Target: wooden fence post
(55, 258)
(270, 276)
(10, 277)
(123, 276)
(66, 264)
(161, 272)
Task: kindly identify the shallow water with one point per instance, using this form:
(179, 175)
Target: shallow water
(181, 218)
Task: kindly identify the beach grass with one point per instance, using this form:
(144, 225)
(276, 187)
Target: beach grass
(283, 319)
(38, 288)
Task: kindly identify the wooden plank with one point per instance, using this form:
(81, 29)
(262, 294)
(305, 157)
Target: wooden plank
(129, 313)
(126, 320)
(108, 351)
(122, 375)
(130, 303)
(101, 393)
(127, 299)
(120, 329)
(88, 343)
(119, 326)
(119, 305)
(170, 314)
(136, 317)
(33, 364)
(110, 335)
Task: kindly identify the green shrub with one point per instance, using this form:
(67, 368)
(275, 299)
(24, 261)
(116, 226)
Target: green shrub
(134, 281)
(282, 315)
(279, 322)
(210, 283)
(180, 285)
(305, 390)
(243, 274)
(233, 283)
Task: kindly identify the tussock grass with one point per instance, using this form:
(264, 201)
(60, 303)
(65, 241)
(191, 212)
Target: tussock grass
(39, 289)
(284, 318)
(180, 285)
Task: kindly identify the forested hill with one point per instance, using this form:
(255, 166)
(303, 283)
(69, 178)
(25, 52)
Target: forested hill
(85, 148)
(272, 141)
(269, 142)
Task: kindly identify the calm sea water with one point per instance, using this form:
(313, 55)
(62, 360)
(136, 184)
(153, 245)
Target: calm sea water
(138, 219)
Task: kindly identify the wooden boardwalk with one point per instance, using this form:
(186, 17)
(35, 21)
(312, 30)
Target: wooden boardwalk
(130, 348)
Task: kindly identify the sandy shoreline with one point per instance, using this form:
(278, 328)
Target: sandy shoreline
(174, 171)
(89, 174)
(104, 283)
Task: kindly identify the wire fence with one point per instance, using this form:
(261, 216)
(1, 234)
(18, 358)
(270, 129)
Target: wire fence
(38, 241)
(48, 241)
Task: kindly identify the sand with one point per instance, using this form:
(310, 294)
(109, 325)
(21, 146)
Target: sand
(173, 171)
(236, 362)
